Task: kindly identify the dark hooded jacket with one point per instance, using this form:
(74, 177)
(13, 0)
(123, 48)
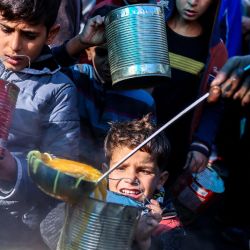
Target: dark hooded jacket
(194, 63)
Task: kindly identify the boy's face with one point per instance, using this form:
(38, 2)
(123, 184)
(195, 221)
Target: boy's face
(98, 55)
(138, 177)
(192, 10)
(20, 40)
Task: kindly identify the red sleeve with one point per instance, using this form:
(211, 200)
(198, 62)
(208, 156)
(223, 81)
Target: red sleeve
(167, 224)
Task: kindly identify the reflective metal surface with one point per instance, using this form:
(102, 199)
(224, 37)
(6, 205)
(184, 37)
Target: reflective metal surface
(94, 224)
(137, 46)
(8, 97)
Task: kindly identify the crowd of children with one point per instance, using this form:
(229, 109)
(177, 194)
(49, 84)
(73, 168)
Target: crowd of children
(70, 110)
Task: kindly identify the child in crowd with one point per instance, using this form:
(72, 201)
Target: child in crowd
(136, 182)
(99, 103)
(46, 116)
(196, 53)
(141, 178)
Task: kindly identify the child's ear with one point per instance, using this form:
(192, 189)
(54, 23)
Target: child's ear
(163, 178)
(52, 33)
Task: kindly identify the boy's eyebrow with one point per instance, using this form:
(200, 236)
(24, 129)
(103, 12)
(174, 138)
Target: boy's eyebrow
(6, 26)
(143, 165)
(25, 30)
(124, 164)
(30, 32)
(147, 167)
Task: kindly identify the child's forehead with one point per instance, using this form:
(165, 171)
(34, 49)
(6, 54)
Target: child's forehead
(20, 24)
(139, 158)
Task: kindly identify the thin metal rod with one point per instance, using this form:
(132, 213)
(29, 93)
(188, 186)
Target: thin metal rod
(153, 135)
(247, 68)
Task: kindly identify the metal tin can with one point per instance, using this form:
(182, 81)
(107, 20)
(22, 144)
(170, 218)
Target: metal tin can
(95, 224)
(8, 97)
(196, 191)
(137, 46)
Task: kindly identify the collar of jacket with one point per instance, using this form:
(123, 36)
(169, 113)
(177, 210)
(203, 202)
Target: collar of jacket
(44, 64)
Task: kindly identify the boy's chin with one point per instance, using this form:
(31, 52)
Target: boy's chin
(13, 68)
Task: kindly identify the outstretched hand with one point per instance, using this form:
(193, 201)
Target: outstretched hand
(232, 81)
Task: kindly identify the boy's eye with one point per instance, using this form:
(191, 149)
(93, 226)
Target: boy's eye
(120, 169)
(30, 36)
(146, 171)
(6, 29)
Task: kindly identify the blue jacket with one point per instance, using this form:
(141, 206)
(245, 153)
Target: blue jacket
(46, 119)
(98, 106)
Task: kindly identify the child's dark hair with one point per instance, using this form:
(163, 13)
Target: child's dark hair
(31, 11)
(208, 18)
(132, 133)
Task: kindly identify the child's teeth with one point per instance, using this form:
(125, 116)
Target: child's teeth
(130, 192)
